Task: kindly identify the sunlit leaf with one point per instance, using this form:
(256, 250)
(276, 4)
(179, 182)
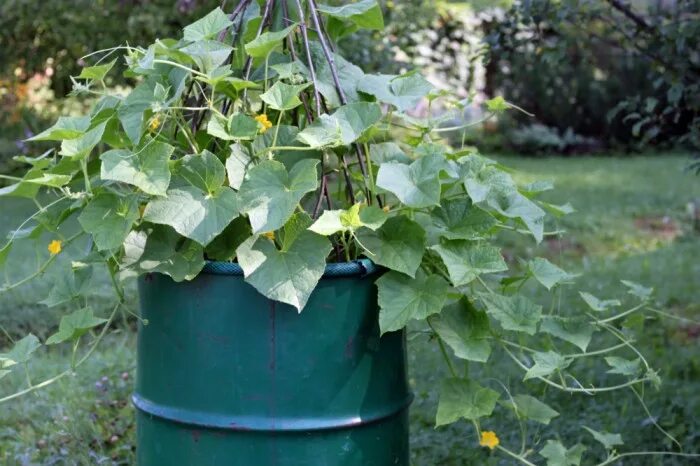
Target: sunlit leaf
(402, 298)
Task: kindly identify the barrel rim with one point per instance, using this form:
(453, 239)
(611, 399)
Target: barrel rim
(357, 268)
(266, 424)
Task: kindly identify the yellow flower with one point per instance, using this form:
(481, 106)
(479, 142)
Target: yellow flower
(154, 124)
(54, 247)
(386, 208)
(265, 124)
(269, 235)
(489, 439)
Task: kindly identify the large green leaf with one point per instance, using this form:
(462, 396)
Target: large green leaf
(529, 407)
(398, 245)
(557, 454)
(365, 13)
(460, 219)
(147, 168)
(546, 363)
(108, 218)
(516, 313)
(194, 213)
(205, 171)
(416, 185)
(466, 260)
(269, 194)
(75, 325)
(403, 92)
(403, 298)
(64, 128)
(282, 96)
(265, 43)
(462, 398)
(289, 275)
(465, 329)
(207, 27)
(160, 249)
(345, 126)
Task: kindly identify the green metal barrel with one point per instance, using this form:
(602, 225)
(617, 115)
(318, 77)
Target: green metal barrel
(227, 377)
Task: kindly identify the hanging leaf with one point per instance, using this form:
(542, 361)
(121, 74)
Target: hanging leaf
(599, 305)
(577, 331)
(402, 298)
(529, 407)
(465, 330)
(289, 275)
(548, 274)
(398, 245)
(147, 168)
(516, 313)
(348, 74)
(466, 260)
(462, 398)
(108, 218)
(75, 325)
(557, 455)
(70, 284)
(635, 289)
(546, 363)
(608, 440)
(622, 366)
(269, 194)
(160, 249)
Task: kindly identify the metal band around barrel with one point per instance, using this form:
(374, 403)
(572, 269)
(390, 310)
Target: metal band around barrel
(357, 268)
(265, 424)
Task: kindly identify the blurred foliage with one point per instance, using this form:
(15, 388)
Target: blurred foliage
(37, 35)
(626, 74)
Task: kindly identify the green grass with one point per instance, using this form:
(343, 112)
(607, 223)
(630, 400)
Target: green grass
(631, 223)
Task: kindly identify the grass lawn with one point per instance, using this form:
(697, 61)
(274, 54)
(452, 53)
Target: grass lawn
(632, 222)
